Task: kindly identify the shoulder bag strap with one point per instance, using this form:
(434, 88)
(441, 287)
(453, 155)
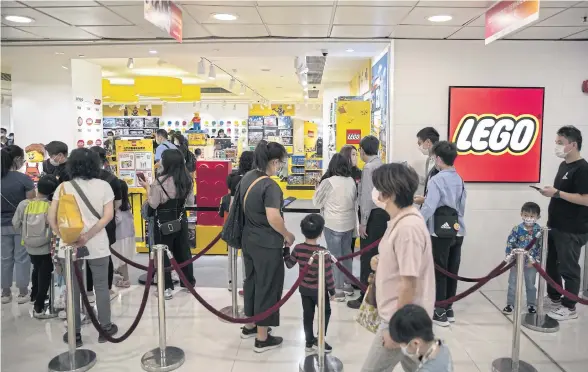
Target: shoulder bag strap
(162, 188)
(249, 189)
(85, 199)
(8, 201)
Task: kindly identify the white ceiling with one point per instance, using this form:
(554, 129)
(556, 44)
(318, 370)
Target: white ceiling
(105, 19)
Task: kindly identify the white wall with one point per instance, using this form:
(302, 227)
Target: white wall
(42, 107)
(423, 72)
(330, 93)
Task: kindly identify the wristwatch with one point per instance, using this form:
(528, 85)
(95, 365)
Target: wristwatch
(557, 195)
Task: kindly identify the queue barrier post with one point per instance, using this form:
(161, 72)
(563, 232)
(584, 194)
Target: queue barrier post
(585, 278)
(234, 310)
(540, 322)
(321, 362)
(78, 360)
(514, 364)
(163, 358)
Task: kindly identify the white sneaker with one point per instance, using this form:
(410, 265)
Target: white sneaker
(62, 314)
(23, 298)
(175, 277)
(563, 313)
(91, 297)
(6, 299)
(167, 294)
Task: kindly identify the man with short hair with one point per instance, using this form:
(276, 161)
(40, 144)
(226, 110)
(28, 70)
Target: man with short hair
(57, 157)
(426, 139)
(161, 137)
(3, 137)
(568, 221)
(445, 200)
(373, 220)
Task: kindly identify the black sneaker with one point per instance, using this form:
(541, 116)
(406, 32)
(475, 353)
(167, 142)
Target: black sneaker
(328, 347)
(507, 310)
(440, 318)
(79, 342)
(269, 344)
(249, 333)
(355, 304)
(111, 331)
(450, 316)
(531, 309)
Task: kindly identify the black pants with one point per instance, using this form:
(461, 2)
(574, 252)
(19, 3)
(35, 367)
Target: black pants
(309, 304)
(446, 254)
(376, 227)
(264, 281)
(562, 263)
(41, 279)
(179, 245)
(90, 281)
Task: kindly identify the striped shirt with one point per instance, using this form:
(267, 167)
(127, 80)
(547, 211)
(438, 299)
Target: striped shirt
(301, 255)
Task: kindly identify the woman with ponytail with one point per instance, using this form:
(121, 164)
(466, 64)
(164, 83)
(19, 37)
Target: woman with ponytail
(264, 236)
(16, 187)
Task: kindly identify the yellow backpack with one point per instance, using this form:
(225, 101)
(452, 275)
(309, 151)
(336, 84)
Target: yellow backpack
(69, 217)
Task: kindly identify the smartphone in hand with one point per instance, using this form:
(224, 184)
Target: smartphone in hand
(141, 176)
(535, 187)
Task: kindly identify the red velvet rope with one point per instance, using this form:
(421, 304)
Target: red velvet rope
(351, 277)
(558, 287)
(253, 319)
(90, 311)
(360, 252)
(185, 263)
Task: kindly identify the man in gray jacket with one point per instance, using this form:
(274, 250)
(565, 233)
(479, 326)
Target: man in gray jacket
(373, 220)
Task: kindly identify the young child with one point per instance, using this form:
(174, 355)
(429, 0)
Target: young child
(312, 228)
(125, 237)
(520, 236)
(31, 220)
(412, 328)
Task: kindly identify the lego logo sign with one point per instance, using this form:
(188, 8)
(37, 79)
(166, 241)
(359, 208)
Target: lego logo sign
(498, 133)
(353, 136)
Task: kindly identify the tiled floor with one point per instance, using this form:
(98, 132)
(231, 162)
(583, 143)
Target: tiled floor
(480, 335)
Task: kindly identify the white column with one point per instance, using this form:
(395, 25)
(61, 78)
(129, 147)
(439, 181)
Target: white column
(86, 82)
(330, 93)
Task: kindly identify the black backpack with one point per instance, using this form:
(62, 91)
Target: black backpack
(190, 161)
(446, 220)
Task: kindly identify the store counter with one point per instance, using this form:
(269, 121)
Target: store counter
(299, 206)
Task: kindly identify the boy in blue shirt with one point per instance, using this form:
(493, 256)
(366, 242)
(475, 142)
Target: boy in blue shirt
(520, 236)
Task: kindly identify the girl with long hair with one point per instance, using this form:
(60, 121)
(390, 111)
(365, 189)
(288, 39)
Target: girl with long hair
(125, 236)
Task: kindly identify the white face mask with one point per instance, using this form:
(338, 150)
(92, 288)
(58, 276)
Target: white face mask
(53, 162)
(529, 221)
(376, 200)
(560, 151)
(424, 150)
(414, 356)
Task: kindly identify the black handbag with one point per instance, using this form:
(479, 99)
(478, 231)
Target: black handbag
(172, 226)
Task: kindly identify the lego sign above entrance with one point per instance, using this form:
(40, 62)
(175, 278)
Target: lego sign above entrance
(498, 133)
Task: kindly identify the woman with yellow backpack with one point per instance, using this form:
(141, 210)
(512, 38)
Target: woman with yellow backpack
(79, 212)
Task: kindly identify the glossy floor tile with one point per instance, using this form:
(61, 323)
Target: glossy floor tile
(480, 335)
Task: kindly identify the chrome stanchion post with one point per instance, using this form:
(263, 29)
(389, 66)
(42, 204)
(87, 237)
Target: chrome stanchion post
(78, 360)
(164, 358)
(540, 322)
(585, 279)
(321, 361)
(514, 364)
(234, 310)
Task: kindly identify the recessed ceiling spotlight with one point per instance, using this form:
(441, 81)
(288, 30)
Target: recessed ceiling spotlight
(81, 55)
(349, 50)
(18, 19)
(266, 69)
(224, 16)
(440, 18)
(59, 53)
(152, 51)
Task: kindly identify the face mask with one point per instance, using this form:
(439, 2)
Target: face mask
(529, 221)
(53, 162)
(375, 199)
(424, 150)
(560, 151)
(414, 356)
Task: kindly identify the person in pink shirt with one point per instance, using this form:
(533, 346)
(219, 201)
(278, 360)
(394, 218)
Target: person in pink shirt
(405, 270)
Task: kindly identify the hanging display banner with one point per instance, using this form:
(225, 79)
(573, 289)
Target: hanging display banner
(165, 15)
(506, 17)
(380, 114)
(498, 133)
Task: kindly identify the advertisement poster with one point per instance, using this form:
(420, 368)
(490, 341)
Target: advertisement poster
(352, 123)
(380, 114)
(498, 133)
(89, 121)
(505, 17)
(165, 15)
(133, 157)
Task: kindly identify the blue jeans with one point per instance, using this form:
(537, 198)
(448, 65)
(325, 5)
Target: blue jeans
(339, 244)
(14, 256)
(530, 274)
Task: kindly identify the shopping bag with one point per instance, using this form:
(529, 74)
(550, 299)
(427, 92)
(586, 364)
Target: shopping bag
(368, 316)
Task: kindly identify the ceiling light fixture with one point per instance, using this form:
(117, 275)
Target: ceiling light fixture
(18, 19)
(224, 16)
(235, 107)
(130, 63)
(349, 50)
(232, 84)
(59, 53)
(440, 18)
(243, 90)
(81, 55)
(212, 73)
(201, 67)
(64, 67)
(152, 51)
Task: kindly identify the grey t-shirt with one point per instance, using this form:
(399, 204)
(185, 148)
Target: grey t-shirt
(15, 186)
(264, 194)
(440, 363)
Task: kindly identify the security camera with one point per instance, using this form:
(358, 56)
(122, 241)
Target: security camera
(325, 52)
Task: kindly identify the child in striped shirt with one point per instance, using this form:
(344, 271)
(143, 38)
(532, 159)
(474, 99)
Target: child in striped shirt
(312, 227)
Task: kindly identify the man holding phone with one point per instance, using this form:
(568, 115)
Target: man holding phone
(567, 220)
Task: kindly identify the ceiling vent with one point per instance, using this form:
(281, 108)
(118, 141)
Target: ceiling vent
(313, 93)
(6, 77)
(316, 67)
(214, 90)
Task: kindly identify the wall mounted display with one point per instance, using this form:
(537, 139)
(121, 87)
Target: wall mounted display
(380, 104)
(498, 132)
